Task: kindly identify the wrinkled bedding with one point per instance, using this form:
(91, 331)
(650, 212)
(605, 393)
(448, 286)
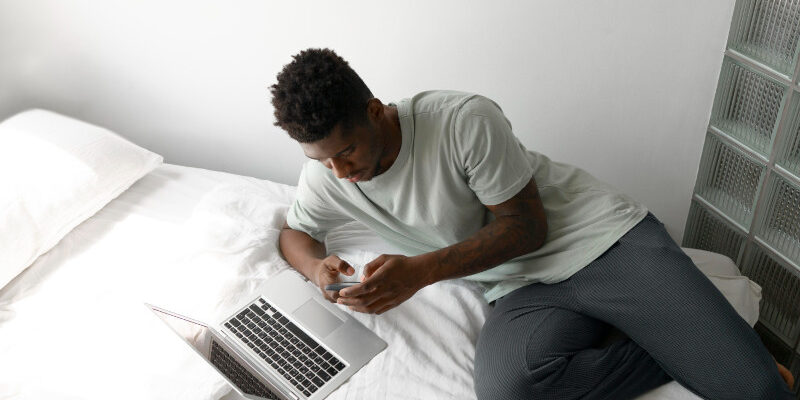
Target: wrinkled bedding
(74, 325)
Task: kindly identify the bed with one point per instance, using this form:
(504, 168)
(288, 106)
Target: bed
(73, 324)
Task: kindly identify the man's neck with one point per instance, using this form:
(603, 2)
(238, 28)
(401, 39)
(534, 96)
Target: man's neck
(394, 137)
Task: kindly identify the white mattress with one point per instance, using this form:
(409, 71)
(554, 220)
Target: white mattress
(73, 326)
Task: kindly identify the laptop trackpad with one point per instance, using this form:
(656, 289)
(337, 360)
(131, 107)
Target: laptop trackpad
(316, 318)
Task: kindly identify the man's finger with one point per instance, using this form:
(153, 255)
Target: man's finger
(373, 265)
(361, 289)
(383, 305)
(365, 304)
(345, 268)
(336, 265)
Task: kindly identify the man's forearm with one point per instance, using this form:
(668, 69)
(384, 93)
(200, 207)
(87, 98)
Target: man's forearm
(301, 251)
(499, 241)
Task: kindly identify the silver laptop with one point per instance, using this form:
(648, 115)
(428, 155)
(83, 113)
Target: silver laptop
(286, 342)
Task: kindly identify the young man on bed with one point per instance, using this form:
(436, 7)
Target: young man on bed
(443, 178)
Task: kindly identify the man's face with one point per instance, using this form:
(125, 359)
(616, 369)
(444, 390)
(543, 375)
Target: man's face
(353, 154)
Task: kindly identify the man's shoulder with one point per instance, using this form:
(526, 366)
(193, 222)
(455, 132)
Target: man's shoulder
(437, 101)
(453, 102)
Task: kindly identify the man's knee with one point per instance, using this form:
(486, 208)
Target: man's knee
(500, 370)
(499, 382)
(764, 386)
(503, 373)
(502, 382)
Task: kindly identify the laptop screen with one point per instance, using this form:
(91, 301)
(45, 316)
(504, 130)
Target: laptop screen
(198, 335)
(193, 332)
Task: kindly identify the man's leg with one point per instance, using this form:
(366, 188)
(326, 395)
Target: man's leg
(533, 346)
(646, 286)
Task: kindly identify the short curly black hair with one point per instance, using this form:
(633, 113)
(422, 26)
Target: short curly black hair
(317, 91)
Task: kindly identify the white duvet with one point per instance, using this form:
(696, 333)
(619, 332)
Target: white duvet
(73, 326)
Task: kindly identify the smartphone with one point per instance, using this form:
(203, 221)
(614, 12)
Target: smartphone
(339, 286)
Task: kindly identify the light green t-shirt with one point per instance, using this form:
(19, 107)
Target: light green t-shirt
(458, 153)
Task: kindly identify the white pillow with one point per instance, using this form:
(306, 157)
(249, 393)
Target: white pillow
(55, 172)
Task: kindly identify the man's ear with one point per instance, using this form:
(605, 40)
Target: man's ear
(374, 109)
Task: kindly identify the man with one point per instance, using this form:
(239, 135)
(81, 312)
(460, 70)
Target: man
(564, 257)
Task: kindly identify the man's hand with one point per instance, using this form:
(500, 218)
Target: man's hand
(327, 272)
(388, 281)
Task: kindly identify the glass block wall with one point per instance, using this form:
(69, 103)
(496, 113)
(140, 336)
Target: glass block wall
(746, 201)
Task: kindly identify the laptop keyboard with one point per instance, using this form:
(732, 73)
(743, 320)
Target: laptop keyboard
(284, 346)
(240, 377)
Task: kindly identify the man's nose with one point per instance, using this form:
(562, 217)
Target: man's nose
(339, 168)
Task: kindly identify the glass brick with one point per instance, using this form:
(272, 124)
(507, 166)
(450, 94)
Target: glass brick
(767, 31)
(780, 290)
(789, 149)
(707, 231)
(729, 179)
(779, 223)
(747, 105)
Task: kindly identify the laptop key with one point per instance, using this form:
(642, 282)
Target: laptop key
(256, 310)
(302, 335)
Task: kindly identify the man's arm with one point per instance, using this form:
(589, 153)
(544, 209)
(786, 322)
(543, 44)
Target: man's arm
(520, 227)
(307, 256)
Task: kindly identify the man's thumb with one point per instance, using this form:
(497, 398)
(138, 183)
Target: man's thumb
(344, 267)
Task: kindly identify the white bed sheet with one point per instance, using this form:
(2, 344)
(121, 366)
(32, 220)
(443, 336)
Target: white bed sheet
(73, 326)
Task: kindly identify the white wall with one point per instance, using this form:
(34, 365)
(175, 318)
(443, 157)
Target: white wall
(622, 88)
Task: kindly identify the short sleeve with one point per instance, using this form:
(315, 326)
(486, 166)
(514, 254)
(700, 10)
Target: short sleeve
(311, 212)
(495, 163)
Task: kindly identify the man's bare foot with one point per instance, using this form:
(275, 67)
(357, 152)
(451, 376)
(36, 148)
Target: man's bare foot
(786, 375)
